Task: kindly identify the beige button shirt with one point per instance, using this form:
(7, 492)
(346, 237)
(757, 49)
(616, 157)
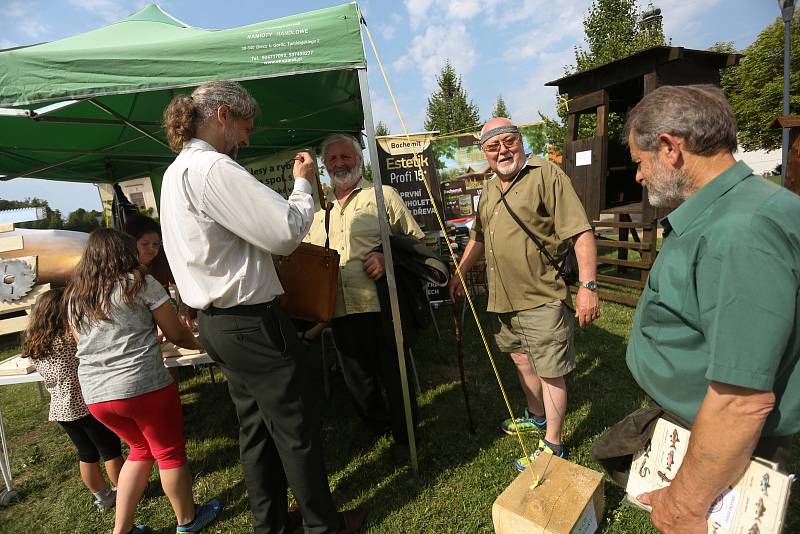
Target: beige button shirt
(354, 233)
(221, 226)
(542, 196)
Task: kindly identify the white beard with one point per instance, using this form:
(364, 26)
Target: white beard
(666, 187)
(231, 146)
(346, 179)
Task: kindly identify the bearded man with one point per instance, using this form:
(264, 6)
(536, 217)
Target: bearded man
(715, 338)
(368, 351)
(531, 303)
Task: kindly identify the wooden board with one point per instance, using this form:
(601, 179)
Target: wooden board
(170, 350)
(25, 302)
(6, 227)
(568, 500)
(13, 325)
(16, 365)
(10, 243)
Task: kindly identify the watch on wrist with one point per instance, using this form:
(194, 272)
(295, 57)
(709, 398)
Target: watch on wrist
(591, 285)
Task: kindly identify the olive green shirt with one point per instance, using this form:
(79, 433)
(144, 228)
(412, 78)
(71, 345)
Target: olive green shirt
(520, 277)
(354, 233)
(721, 302)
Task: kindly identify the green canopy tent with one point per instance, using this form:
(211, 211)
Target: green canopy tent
(88, 108)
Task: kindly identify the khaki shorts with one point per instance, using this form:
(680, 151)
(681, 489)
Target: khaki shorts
(543, 333)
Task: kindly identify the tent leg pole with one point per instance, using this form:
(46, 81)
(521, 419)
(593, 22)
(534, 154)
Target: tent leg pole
(369, 126)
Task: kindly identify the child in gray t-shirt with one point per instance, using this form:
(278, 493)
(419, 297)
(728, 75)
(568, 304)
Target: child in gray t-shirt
(113, 308)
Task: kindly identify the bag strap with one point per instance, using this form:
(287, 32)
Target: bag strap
(327, 206)
(550, 259)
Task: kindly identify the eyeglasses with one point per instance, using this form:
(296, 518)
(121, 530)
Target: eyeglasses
(508, 142)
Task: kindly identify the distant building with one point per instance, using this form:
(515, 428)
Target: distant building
(761, 161)
(139, 191)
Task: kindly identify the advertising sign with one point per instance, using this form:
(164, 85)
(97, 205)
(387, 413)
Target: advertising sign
(405, 163)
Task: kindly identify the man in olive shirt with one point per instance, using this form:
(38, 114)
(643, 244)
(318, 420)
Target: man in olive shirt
(368, 351)
(715, 335)
(531, 302)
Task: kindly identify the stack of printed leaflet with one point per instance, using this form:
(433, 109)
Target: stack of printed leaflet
(756, 504)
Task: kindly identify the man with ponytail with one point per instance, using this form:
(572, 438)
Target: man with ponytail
(220, 227)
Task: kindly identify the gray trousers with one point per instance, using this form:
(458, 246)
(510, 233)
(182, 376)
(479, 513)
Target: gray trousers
(279, 425)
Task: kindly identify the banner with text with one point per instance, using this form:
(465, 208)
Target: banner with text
(405, 162)
(275, 171)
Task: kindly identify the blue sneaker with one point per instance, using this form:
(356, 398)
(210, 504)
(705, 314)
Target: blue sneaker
(522, 463)
(204, 516)
(527, 423)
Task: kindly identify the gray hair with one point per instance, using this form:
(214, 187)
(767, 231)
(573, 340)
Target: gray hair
(185, 113)
(338, 138)
(699, 114)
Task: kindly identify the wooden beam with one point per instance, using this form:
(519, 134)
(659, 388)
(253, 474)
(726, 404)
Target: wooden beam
(572, 127)
(624, 263)
(620, 224)
(619, 280)
(9, 243)
(13, 325)
(650, 82)
(613, 243)
(587, 102)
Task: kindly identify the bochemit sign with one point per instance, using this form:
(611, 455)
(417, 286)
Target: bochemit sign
(405, 162)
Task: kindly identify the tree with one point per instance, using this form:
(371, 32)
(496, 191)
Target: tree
(81, 220)
(613, 30)
(449, 108)
(536, 138)
(754, 87)
(500, 109)
(449, 111)
(382, 129)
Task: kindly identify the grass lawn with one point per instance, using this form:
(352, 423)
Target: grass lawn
(460, 474)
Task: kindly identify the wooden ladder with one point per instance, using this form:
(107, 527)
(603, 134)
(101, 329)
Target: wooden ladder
(633, 233)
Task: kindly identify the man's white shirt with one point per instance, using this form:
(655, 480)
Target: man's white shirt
(220, 227)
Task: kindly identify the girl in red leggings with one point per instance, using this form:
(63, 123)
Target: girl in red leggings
(114, 307)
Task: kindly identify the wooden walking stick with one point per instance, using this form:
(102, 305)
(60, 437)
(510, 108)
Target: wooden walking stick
(460, 354)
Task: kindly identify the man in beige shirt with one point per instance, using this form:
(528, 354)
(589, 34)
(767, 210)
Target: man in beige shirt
(368, 350)
(532, 304)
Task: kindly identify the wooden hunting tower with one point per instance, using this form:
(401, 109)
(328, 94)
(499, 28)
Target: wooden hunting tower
(600, 165)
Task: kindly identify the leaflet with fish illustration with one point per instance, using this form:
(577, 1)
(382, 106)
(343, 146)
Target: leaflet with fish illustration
(756, 504)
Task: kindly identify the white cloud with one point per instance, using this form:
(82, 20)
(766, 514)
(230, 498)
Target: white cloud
(387, 32)
(685, 21)
(108, 10)
(417, 11)
(527, 98)
(389, 29)
(29, 23)
(15, 10)
(463, 9)
(429, 50)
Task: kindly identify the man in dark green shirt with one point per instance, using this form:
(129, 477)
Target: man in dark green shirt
(715, 336)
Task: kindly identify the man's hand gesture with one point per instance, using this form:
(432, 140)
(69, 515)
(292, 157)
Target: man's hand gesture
(304, 166)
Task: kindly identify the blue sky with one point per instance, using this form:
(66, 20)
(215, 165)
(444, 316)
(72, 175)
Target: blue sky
(508, 47)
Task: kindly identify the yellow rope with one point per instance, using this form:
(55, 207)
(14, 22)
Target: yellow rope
(449, 246)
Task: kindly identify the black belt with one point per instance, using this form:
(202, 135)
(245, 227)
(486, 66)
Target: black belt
(242, 309)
